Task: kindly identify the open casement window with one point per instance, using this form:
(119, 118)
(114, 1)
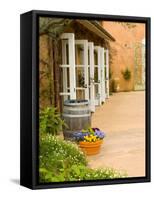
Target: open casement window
(103, 94)
(97, 74)
(81, 69)
(106, 61)
(84, 71)
(68, 66)
(91, 75)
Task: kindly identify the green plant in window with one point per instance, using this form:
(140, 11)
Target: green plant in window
(126, 74)
(81, 79)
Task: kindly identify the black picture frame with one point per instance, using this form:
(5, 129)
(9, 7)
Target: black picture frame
(29, 89)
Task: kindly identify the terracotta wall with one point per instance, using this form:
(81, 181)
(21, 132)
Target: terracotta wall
(122, 50)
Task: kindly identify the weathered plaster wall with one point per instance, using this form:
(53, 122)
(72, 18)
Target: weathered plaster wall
(43, 71)
(48, 74)
(122, 50)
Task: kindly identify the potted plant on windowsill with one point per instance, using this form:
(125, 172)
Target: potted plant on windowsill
(90, 140)
(127, 76)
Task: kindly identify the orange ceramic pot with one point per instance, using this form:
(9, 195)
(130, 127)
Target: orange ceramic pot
(91, 148)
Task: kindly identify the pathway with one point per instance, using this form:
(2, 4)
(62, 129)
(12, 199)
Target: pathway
(122, 119)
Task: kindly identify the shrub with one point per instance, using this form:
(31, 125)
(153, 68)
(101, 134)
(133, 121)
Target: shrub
(126, 74)
(79, 173)
(56, 156)
(63, 161)
(50, 121)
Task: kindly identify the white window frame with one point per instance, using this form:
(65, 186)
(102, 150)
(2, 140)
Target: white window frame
(91, 65)
(69, 39)
(84, 43)
(103, 78)
(65, 66)
(103, 95)
(106, 52)
(98, 50)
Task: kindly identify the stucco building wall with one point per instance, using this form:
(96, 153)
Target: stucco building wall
(122, 51)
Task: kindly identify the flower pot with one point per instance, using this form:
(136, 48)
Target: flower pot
(91, 148)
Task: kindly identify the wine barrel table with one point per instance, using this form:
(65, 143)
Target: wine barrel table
(77, 116)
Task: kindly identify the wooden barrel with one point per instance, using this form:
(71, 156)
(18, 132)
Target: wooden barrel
(77, 116)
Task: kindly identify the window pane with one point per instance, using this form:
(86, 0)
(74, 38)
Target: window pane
(80, 82)
(96, 74)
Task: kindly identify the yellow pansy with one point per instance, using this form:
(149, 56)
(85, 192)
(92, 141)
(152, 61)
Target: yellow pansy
(90, 138)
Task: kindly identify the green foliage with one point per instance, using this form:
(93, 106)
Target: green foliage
(81, 80)
(63, 161)
(126, 74)
(57, 156)
(79, 173)
(52, 26)
(50, 121)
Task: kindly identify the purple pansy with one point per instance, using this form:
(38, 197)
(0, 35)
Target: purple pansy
(99, 134)
(94, 129)
(79, 136)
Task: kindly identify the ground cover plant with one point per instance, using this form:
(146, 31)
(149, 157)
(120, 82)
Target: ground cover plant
(63, 161)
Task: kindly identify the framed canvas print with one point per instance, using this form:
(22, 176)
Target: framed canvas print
(85, 99)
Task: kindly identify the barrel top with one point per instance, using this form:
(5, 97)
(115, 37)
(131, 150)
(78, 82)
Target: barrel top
(75, 102)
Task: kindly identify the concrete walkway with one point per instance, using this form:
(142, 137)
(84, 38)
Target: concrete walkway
(122, 118)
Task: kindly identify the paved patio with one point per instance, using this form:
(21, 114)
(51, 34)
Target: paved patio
(122, 119)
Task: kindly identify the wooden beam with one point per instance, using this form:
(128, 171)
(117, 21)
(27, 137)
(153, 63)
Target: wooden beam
(51, 70)
(56, 72)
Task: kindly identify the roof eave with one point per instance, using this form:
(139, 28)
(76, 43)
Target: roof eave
(97, 29)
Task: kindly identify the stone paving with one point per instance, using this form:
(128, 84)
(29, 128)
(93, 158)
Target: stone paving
(122, 118)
